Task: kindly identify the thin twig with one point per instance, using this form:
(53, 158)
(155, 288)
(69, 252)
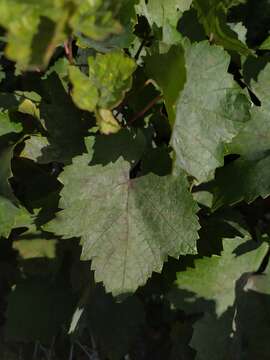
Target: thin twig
(35, 353)
(136, 57)
(71, 351)
(145, 109)
(45, 351)
(125, 101)
(68, 50)
(51, 348)
(84, 349)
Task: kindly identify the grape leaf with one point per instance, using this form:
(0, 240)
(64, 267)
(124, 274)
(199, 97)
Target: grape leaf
(130, 144)
(254, 138)
(210, 111)
(161, 11)
(6, 126)
(43, 25)
(33, 36)
(168, 70)
(96, 19)
(11, 214)
(211, 337)
(251, 179)
(252, 319)
(66, 125)
(50, 304)
(212, 14)
(103, 312)
(34, 146)
(109, 78)
(250, 172)
(214, 278)
(128, 226)
(243, 329)
(32, 245)
(266, 44)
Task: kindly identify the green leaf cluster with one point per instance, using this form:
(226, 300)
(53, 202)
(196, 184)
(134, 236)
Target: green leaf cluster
(134, 179)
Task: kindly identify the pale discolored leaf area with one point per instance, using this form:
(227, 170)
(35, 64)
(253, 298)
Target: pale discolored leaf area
(128, 227)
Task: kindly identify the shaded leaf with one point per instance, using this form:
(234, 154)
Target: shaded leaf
(254, 138)
(37, 309)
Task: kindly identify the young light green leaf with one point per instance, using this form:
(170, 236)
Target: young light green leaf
(43, 25)
(33, 36)
(128, 227)
(107, 122)
(109, 79)
(96, 19)
(84, 93)
(210, 111)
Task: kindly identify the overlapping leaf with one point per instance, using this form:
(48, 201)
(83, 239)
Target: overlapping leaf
(251, 179)
(210, 111)
(168, 70)
(251, 172)
(254, 138)
(109, 78)
(212, 14)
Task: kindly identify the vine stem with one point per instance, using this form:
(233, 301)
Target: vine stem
(136, 57)
(68, 51)
(71, 351)
(145, 109)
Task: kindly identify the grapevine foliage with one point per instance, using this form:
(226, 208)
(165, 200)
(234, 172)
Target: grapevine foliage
(134, 179)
